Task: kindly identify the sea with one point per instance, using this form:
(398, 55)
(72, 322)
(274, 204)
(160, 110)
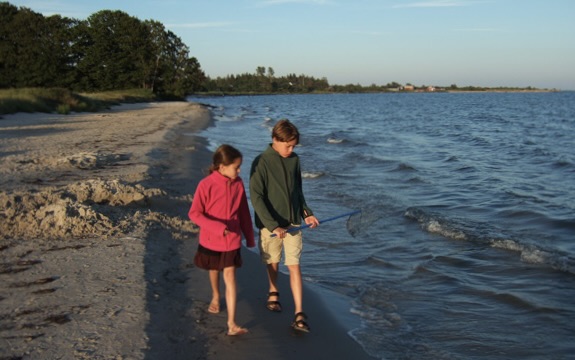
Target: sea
(465, 243)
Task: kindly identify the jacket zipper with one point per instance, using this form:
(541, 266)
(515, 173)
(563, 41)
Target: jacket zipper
(228, 205)
(288, 192)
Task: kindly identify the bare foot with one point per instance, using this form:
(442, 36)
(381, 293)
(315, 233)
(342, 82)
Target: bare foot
(237, 330)
(214, 307)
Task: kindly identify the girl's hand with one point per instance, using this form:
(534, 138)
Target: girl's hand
(226, 231)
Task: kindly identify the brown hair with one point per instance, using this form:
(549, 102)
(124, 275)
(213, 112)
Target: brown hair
(224, 155)
(285, 131)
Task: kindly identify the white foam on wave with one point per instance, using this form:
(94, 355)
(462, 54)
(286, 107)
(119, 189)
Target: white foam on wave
(312, 174)
(333, 140)
(435, 227)
(533, 255)
(225, 118)
(268, 124)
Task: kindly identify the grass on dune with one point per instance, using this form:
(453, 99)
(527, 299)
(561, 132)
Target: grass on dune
(64, 101)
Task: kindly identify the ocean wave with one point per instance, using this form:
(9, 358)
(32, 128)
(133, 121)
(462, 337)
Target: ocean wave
(221, 118)
(358, 157)
(563, 163)
(560, 220)
(333, 140)
(477, 233)
(466, 169)
(435, 227)
(416, 180)
(379, 262)
(513, 300)
(531, 254)
(268, 123)
(312, 174)
(229, 118)
(405, 167)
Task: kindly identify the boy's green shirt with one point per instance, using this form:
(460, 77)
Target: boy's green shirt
(276, 190)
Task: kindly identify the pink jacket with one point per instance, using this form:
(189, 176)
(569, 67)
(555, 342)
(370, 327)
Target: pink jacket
(219, 204)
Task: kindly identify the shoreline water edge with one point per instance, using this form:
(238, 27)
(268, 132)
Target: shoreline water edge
(96, 249)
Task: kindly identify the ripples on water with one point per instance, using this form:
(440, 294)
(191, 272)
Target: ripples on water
(469, 248)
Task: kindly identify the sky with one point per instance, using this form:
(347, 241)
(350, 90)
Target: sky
(488, 43)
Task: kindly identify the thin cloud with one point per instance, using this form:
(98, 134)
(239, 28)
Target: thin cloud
(201, 25)
(282, 2)
(434, 4)
(368, 33)
(50, 8)
(478, 30)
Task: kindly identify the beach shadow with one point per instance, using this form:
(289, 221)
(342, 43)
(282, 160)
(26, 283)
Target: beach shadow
(31, 131)
(174, 312)
(168, 331)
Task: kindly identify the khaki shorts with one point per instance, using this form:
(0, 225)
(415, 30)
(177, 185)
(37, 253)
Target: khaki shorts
(271, 247)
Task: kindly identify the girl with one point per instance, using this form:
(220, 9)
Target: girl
(220, 209)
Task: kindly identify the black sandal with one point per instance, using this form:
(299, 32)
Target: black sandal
(300, 324)
(274, 306)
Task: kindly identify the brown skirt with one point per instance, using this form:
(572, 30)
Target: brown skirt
(217, 260)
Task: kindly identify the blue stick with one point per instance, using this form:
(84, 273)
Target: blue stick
(321, 221)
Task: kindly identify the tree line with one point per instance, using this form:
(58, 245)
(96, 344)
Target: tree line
(264, 81)
(110, 50)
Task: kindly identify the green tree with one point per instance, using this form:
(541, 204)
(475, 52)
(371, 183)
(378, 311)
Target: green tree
(59, 61)
(116, 45)
(176, 68)
(159, 52)
(261, 71)
(8, 45)
(34, 50)
(110, 50)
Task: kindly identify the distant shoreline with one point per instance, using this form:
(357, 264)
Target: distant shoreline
(505, 91)
(451, 91)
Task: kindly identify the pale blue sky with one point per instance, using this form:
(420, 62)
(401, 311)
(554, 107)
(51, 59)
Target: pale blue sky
(424, 42)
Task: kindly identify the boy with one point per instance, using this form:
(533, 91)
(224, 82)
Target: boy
(277, 197)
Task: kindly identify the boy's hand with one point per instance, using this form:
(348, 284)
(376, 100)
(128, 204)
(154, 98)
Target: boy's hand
(312, 221)
(280, 232)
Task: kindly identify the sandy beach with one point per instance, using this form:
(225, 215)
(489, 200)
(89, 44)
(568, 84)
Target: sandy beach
(96, 248)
